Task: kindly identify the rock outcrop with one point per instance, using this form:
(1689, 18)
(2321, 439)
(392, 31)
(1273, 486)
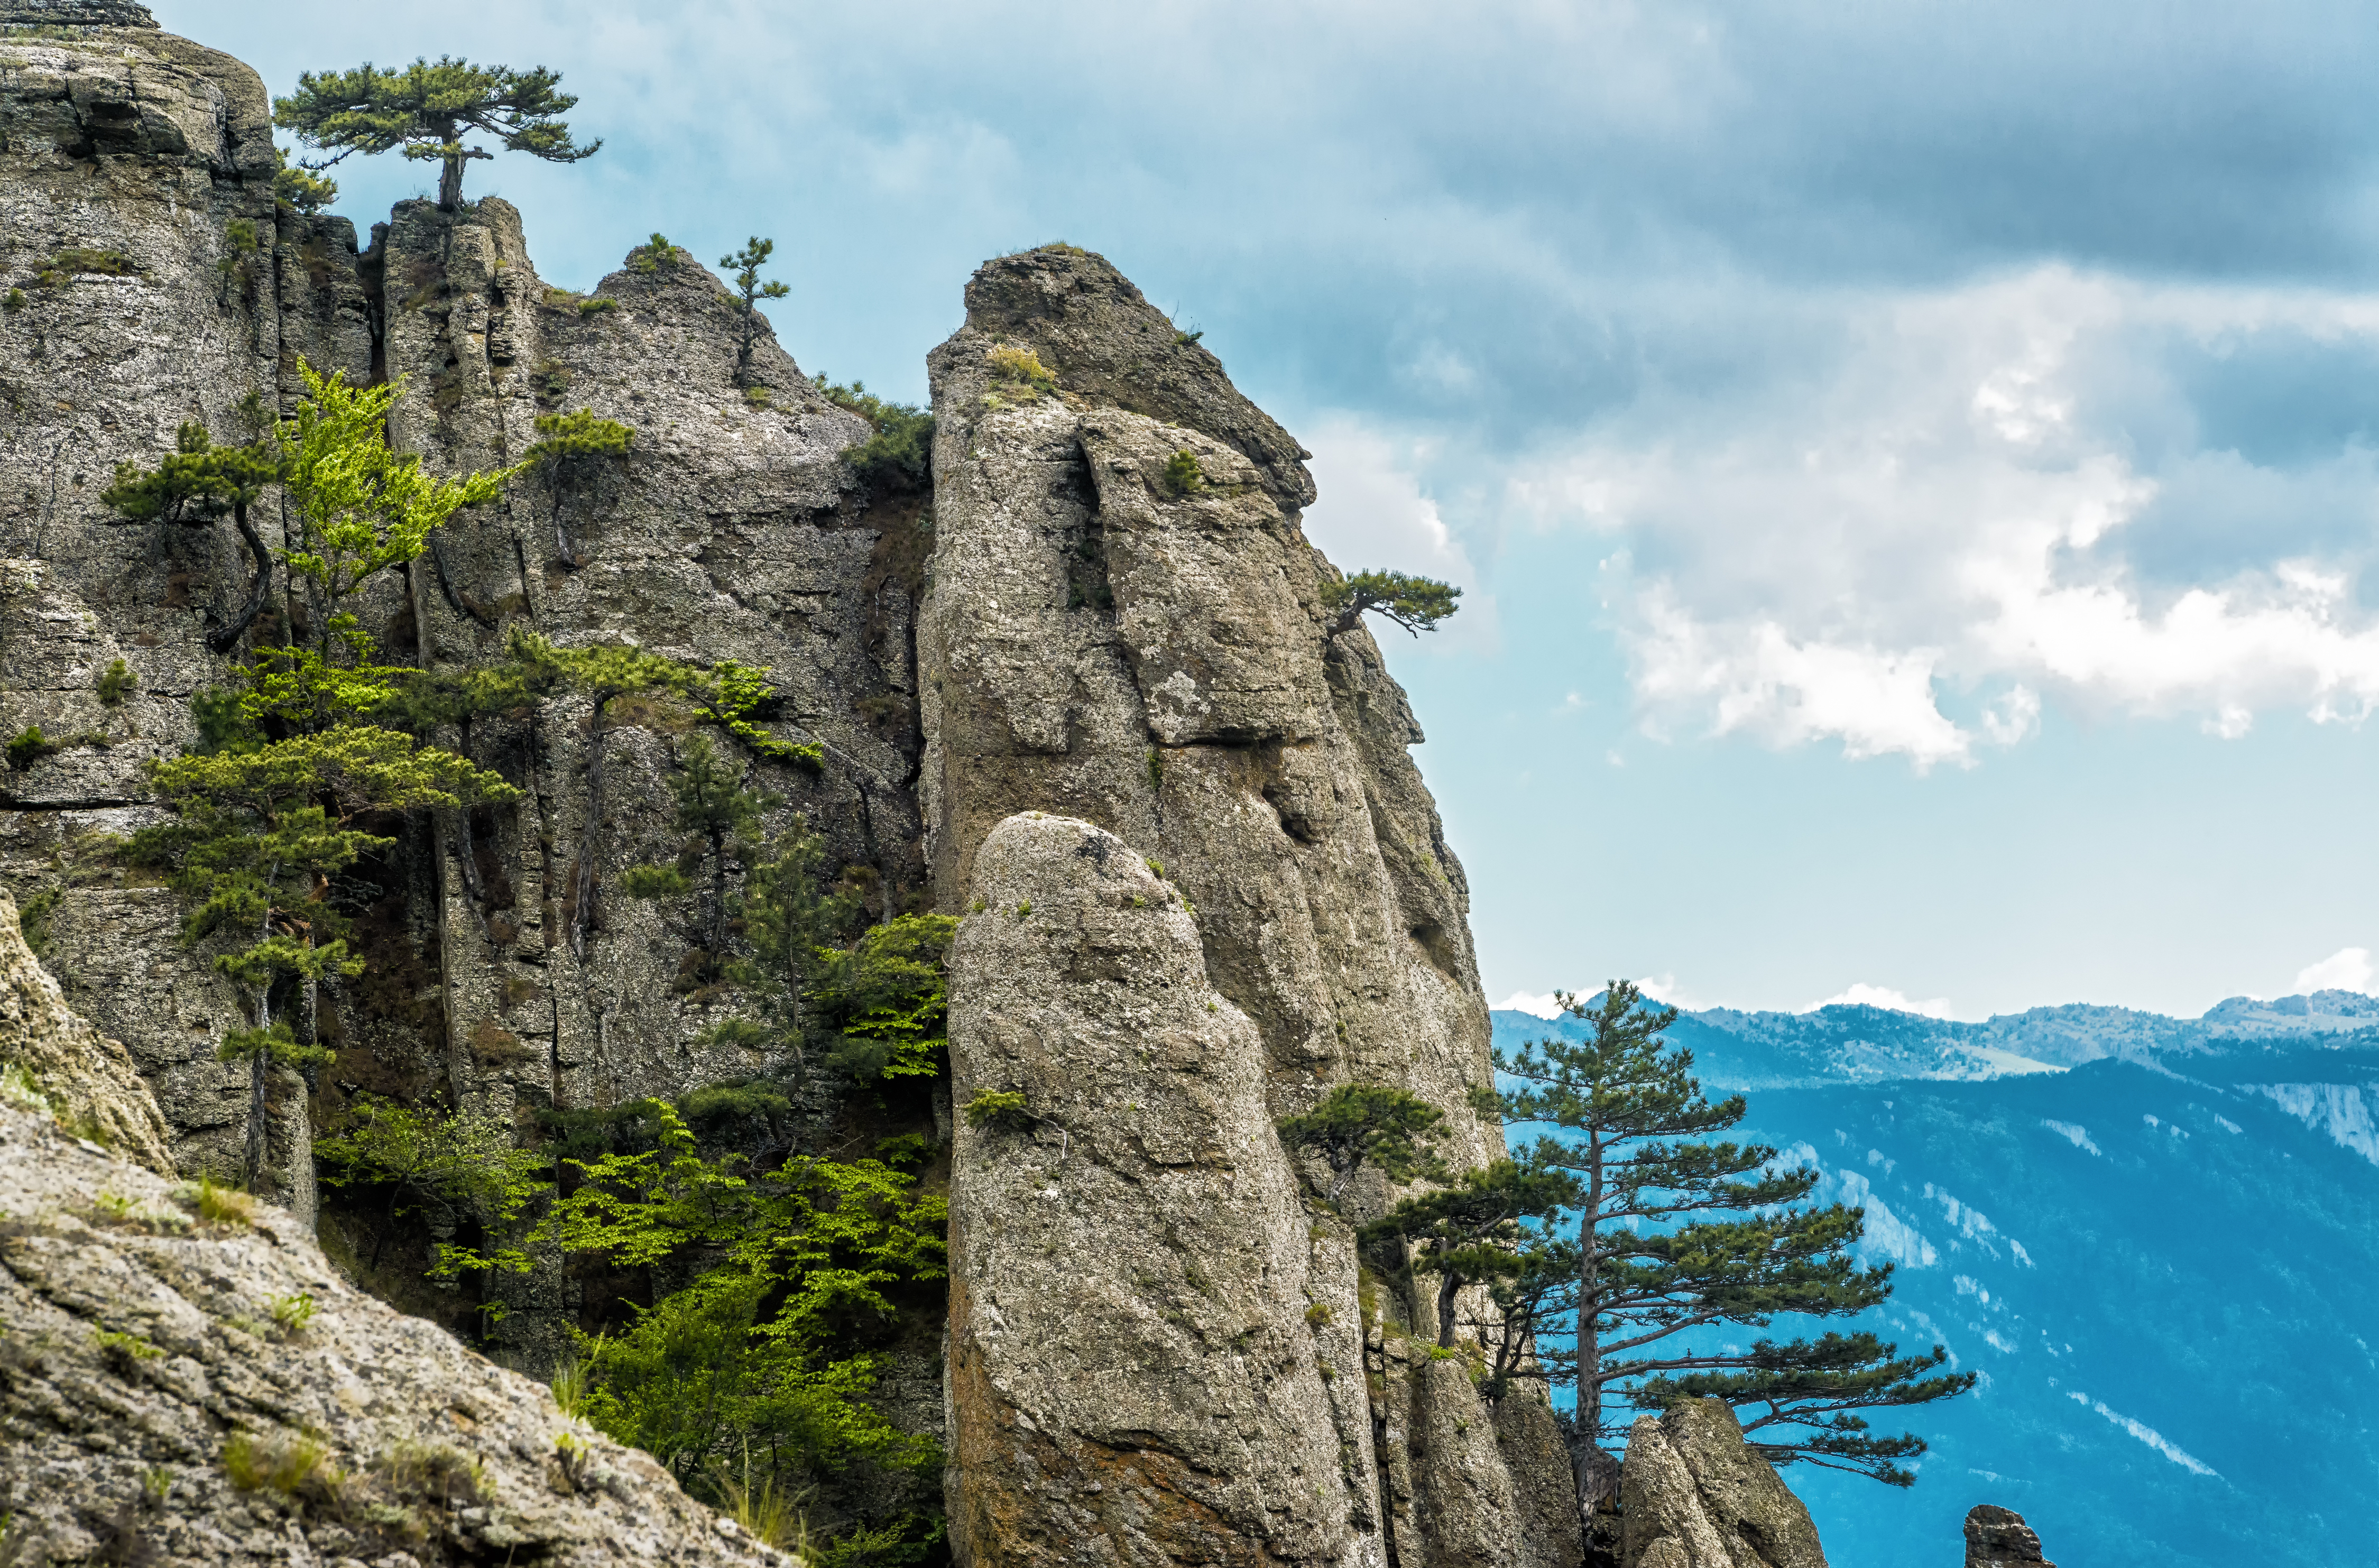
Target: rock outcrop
(85, 1076)
(1124, 632)
(1694, 1495)
(1998, 1538)
(1139, 1371)
(1125, 626)
(187, 1383)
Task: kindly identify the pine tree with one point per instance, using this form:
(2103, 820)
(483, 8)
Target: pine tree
(267, 810)
(1358, 1124)
(1417, 604)
(197, 484)
(712, 801)
(569, 454)
(426, 109)
(746, 264)
(1676, 1232)
(1467, 1234)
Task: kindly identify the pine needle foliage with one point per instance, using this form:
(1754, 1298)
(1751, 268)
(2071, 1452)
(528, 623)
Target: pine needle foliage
(198, 483)
(1676, 1230)
(1358, 1124)
(1417, 604)
(425, 109)
(745, 265)
(900, 455)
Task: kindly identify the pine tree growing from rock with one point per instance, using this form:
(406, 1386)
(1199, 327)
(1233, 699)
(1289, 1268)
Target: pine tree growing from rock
(1676, 1232)
(424, 110)
(746, 264)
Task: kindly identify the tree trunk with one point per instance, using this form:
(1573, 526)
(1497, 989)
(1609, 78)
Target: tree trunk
(1448, 1286)
(591, 841)
(450, 182)
(224, 640)
(718, 897)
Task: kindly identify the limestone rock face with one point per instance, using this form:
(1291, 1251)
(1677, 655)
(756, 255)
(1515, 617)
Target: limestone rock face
(1998, 1538)
(84, 1075)
(1138, 1372)
(1125, 626)
(140, 1349)
(1694, 1495)
(135, 194)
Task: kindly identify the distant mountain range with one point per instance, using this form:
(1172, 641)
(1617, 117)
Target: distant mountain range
(2158, 1239)
(1866, 1045)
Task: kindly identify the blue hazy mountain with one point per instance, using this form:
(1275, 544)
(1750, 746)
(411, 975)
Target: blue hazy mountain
(2157, 1239)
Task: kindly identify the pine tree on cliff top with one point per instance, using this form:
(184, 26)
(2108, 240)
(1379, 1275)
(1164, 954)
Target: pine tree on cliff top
(426, 109)
(1675, 1232)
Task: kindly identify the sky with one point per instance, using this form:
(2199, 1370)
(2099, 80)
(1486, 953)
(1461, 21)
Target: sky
(1912, 468)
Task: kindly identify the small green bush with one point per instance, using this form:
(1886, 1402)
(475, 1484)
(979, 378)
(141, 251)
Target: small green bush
(124, 1352)
(292, 1313)
(654, 254)
(1020, 373)
(116, 682)
(1000, 1109)
(595, 304)
(14, 301)
(1182, 476)
(900, 455)
(29, 747)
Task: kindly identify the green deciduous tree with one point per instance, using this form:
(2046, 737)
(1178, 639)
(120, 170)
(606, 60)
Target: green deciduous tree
(198, 483)
(1417, 604)
(1358, 1123)
(746, 264)
(753, 1356)
(458, 1164)
(900, 455)
(426, 109)
(883, 1001)
(1676, 1232)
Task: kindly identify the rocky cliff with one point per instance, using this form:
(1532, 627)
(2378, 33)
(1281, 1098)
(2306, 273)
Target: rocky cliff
(1086, 698)
(1126, 627)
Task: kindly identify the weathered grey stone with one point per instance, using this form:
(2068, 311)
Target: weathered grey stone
(1694, 1495)
(1998, 1538)
(1137, 1372)
(1104, 640)
(140, 1341)
(85, 1076)
(76, 13)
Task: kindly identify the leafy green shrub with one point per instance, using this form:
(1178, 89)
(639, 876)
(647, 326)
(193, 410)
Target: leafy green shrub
(1017, 376)
(900, 455)
(596, 305)
(758, 396)
(116, 682)
(292, 1313)
(29, 747)
(1001, 1110)
(13, 301)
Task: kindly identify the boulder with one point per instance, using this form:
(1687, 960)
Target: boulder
(1998, 1538)
(1694, 1495)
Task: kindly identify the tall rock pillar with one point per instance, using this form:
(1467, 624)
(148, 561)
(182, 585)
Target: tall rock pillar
(1125, 626)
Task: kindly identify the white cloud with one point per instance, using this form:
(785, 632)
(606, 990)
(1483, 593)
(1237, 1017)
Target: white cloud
(2146, 1434)
(2349, 969)
(1907, 548)
(1538, 1007)
(1864, 996)
(1372, 513)
(1664, 989)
